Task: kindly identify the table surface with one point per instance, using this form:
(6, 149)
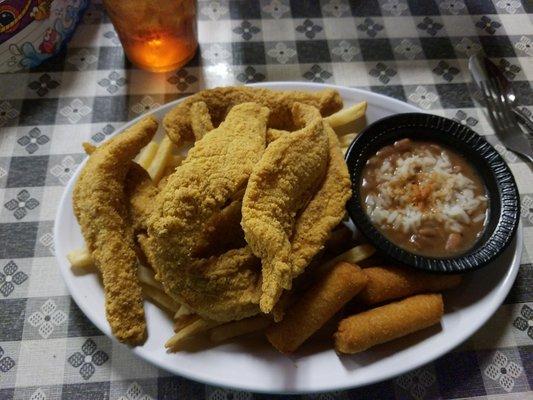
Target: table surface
(413, 50)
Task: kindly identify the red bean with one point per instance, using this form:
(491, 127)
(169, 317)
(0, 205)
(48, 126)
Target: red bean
(453, 242)
(385, 151)
(428, 232)
(403, 144)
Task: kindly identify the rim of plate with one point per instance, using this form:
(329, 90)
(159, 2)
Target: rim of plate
(373, 99)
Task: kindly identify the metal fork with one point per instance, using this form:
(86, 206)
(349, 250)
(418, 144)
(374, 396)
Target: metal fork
(507, 91)
(503, 122)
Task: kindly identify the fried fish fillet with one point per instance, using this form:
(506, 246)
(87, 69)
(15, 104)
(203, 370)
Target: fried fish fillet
(222, 232)
(325, 210)
(200, 120)
(281, 184)
(224, 287)
(321, 215)
(140, 192)
(220, 100)
(100, 208)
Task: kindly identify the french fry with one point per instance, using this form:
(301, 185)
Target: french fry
(183, 317)
(374, 260)
(344, 150)
(148, 154)
(386, 283)
(316, 306)
(347, 115)
(346, 140)
(174, 161)
(379, 325)
(239, 328)
(353, 256)
(183, 310)
(185, 334)
(80, 258)
(159, 298)
(183, 321)
(147, 276)
(160, 160)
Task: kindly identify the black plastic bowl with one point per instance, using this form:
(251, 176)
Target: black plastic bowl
(504, 204)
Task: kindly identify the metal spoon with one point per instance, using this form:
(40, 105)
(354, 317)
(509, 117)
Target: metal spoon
(509, 93)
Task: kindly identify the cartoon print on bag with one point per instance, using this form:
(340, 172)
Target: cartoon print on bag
(13, 16)
(42, 10)
(16, 15)
(50, 41)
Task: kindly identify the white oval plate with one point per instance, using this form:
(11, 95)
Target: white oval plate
(252, 364)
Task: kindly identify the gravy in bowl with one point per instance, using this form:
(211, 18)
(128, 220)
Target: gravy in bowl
(425, 198)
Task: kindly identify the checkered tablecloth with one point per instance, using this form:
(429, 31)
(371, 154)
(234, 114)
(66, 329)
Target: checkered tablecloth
(413, 50)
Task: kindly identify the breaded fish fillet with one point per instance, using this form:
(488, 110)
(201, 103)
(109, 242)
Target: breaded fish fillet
(200, 120)
(281, 184)
(141, 192)
(222, 287)
(222, 232)
(325, 210)
(220, 100)
(100, 207)
(321, 215)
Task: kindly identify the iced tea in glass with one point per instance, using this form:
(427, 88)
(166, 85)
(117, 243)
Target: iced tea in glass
(156, 35)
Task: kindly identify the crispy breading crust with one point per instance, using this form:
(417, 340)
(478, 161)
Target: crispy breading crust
(391, 321)
(325, 210)
(323, 213)
(220, 100)
(200, 120)
(141, 192)
(222, 232)
(392, 282)
(284, 180)
(99, 205)
(224, 287)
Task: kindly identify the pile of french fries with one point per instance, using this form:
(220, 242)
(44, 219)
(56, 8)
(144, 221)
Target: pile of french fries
(327, 289)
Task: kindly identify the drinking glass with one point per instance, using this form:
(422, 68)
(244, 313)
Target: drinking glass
(157, 35)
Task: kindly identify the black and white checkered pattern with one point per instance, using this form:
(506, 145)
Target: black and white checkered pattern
(413, 50)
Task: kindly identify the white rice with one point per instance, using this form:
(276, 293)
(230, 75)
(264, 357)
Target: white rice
(450, 199)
